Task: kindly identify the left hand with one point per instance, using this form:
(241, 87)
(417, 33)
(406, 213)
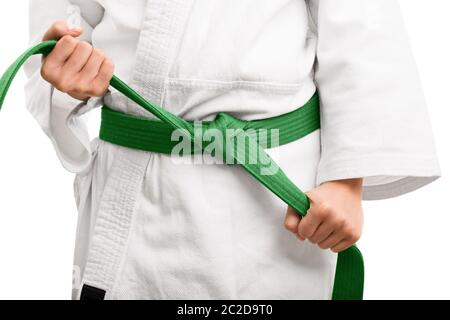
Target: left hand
(335, 218)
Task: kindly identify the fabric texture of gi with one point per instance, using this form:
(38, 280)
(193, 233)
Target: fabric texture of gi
(149, 228)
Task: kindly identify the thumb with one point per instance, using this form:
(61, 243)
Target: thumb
(60, 29)
(315, 197)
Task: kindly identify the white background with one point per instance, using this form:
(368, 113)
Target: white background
(406, 240)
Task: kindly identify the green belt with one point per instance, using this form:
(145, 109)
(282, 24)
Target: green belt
(150, 135)
(156, 136)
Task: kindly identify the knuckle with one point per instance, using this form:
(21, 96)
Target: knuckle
(355, 236)
(63, 87)
(62, 84)
(98, 52)
(109, 65)
(319, 214)
(87, 87)
(45, 72)
(68, 41)
(339, 221)
(81, 88)
(304, 231)
(84, 46)
(92, 93)
(100, 92)
(324, 210)
(96, 91)
(352, 234)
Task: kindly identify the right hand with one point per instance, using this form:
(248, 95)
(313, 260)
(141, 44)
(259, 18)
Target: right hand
(74, 66)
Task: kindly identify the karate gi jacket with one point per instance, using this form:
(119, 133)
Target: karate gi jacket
(152, 229)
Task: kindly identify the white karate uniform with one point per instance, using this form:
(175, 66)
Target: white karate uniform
(152, 229)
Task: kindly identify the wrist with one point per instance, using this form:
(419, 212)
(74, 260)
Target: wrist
(353, 186)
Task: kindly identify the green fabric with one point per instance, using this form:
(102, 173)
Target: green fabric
(349, 278)
(155, 136)
(10, 73)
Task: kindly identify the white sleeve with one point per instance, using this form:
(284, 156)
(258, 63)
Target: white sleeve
(375, 123)
(57, 113)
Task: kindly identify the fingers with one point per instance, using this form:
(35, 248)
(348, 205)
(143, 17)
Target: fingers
(93, 65)
(86, 86)
(316, 215)
(78, 58)
(341, 246)
(60, 29)
(76, 68)
(331, 241)
(323, 231)
(292, 220)
(62, 51)
(340, 240)
(101, 82)
(330, 224)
